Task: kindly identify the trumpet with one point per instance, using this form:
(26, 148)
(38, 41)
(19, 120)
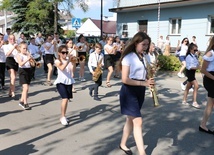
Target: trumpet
(80, 48)
(34, 63)
(74, 59)
(151, 69)
(81, 58)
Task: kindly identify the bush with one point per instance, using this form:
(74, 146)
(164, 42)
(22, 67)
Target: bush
(169, 63)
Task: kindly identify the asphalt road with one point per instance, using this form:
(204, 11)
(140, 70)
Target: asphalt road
(96, 126)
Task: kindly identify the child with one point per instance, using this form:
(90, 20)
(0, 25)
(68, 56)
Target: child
(192, 65)
(95, 58)
(23, 58)
(2, 63)
(64, 81)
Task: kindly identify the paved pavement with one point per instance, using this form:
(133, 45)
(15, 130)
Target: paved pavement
(96, 127)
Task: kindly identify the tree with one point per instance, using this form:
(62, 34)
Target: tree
(34, 16)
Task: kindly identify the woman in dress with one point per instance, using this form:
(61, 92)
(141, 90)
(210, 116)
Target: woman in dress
(64, 79)
(132, 92)
(208, 81)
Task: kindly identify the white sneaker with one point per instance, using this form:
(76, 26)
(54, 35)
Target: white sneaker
(182, 75)
(185, 103)
(183, 87)
(83, 80)
(64, 121)
(191, 90)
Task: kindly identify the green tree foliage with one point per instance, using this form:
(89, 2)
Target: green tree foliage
(34, 16)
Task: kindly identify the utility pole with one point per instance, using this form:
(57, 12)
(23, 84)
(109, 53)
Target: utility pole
(158, 20)
(101, 20)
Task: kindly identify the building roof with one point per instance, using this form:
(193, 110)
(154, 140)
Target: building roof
(163, 5)
(109, 27)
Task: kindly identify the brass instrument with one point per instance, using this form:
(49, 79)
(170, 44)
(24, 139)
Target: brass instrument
(74, 59)
(81, 58)
(34, 63)
(98, 71)
(80, 48)
(151, 69)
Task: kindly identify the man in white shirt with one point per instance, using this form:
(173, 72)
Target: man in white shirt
(8, 31)
(39, 40)
(34, 51)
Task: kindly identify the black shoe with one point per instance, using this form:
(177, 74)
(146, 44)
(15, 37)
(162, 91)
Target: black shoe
(97, 98)
(90, 91)
(128, 152)
(206, 131)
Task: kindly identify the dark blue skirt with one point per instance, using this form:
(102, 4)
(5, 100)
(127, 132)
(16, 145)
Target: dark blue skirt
(131, 100)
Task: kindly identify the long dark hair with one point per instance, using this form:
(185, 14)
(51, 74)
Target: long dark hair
(138, 37)
(190, 47)
(187, 41)
(60, 50)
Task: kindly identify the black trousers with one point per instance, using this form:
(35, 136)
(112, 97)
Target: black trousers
(96, 84)
(2, 73)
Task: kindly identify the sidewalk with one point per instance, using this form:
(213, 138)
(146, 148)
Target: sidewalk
(95, 127)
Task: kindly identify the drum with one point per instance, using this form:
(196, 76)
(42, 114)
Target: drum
(37, 57)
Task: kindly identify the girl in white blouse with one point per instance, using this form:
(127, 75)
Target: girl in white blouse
(192, 64)
(23, 59)
(64, 81)
(132, 92)
(208, 70)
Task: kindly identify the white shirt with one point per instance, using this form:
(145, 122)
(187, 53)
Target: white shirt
(33, 49)
(183, 50)
(20, 40)
(95, 58)
(210, 67)
(108, 47)
(39, 41)
(64, 76)
(24, 58)
(191, 61)
(51, 50)
(137, 69)
(72, 52)
(2, 56)
(7, 48)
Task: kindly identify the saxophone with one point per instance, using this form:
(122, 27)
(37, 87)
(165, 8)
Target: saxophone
(98, 71)
(151, 69)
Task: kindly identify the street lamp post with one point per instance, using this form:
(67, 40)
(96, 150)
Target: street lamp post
(101, 20)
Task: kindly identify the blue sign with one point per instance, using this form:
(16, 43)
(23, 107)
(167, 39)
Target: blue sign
(76, 22)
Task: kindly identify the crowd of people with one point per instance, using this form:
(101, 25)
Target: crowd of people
(126, 61)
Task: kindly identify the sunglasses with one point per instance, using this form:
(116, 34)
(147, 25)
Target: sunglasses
(64, 52)
(195, 50)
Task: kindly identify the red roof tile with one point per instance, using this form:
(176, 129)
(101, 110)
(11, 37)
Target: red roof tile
(109, 27)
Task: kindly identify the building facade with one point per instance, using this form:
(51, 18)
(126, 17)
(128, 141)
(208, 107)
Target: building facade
(174, 18)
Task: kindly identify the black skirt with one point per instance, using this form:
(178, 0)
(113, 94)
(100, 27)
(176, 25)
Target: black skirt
(49, 58)
(109, 60)
(209, 85)
(190, 75)
(25, 75)
(11, 64)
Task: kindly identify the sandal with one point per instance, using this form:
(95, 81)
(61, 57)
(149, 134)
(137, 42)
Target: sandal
(108, 84)
(196, 105)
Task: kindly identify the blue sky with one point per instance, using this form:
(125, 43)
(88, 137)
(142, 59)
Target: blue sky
(94, 9)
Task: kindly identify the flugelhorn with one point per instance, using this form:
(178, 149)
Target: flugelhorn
(82, 58)
(151, 69)
(74, 59)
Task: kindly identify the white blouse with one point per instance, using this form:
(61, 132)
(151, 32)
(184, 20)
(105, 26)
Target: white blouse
(7, 48)
(2, 56)
(191, 61)
(24, 58)
(183, 50)
(109, 47)
(210, 60)
(51, 50)
(64, 76)
(84, 46)
(137, 68)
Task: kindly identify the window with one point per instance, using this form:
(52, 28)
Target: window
(175, 26)
(125, 30)
(211, 24)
